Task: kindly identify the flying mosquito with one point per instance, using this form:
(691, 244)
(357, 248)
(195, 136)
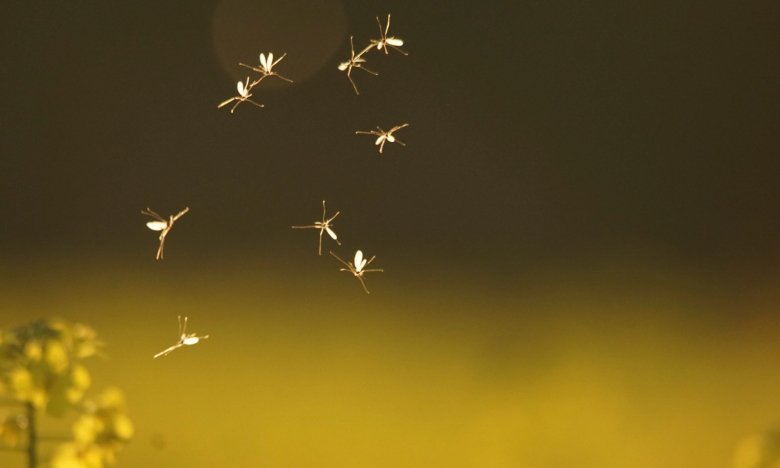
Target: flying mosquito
(355, 62)
(385, 41)
(265, 68)
(385, 136)
(357, 268)
(323, 226)
(162, 225)
(243, 96)
(185, 339)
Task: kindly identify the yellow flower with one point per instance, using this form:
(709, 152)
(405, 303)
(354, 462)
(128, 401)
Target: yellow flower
(86, 429)
(80, 377)
(79, 382)
(112, 397)
(73, 395)
(123, 427)
(33, 350)
(93, 457)
(22, 383)
(86, 349)
(71, 455)
(67, 457)
(83, 332)
(56, 356)
(86, 341)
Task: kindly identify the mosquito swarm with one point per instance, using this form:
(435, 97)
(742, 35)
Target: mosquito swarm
(357, 61)
(267, 68)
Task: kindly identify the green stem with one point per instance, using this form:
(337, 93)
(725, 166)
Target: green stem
(31, 446)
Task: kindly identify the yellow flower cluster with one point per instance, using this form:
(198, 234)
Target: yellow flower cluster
(39, 365)
(99, 433)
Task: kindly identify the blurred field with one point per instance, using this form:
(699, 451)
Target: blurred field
(603, 366)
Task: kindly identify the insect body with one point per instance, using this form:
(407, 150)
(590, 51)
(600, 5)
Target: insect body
(185, 339)
(385, 136)
(385, 41)
(162, 225)
(355, 62)
(243, 96)
(323, 226)
(266, 66)
(358, 268)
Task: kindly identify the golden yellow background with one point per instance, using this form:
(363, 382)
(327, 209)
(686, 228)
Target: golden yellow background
(606, 365)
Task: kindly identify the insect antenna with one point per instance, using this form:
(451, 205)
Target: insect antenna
(151, 213)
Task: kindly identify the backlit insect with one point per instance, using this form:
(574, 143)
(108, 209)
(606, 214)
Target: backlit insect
(355, 62)
(162, 225)
(323, 226)
(357, 268)
(265, 67)
(387, 41)
(185, 339)
(243, 96)
(385, 136)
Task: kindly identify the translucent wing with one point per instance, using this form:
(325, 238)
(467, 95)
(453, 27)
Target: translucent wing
(157, 225)
(394, 41)
(241, 88)
(332, 234)
(379, 140)
(191, 340)
(262, 61)
(359, 262)
(270, 61)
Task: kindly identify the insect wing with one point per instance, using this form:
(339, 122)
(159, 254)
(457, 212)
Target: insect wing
(262, 61)
(157, 225)
(270, 61)
(359, 262)
(395, 42)
(191, 340)
(241, 90)
(332, 234)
